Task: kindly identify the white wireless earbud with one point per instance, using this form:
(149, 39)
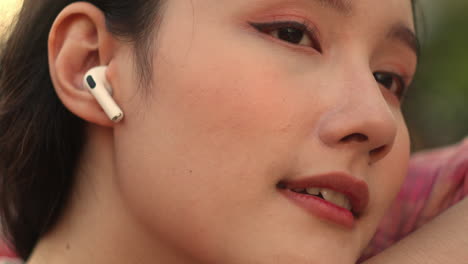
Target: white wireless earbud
(95, 81)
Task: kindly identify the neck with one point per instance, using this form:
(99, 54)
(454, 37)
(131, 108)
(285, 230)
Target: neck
(96, 226)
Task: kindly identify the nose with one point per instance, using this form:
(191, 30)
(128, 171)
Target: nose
(360, 120)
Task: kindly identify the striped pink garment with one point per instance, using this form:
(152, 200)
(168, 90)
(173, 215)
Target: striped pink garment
(436, 180)
(5, 253)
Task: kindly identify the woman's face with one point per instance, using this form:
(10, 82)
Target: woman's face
(251, 99)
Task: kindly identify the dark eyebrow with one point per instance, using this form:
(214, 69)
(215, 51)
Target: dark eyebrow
(406, 36)
(342, 6)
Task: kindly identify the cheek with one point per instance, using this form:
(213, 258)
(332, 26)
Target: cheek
(216, 106)
(211, 139)
(385, 180)
(390, 173)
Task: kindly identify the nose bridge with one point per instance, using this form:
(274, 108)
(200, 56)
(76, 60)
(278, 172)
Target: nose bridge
(360, 118)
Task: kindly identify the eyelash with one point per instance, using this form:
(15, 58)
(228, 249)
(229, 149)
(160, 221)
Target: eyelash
(310, 32)
(402, 88)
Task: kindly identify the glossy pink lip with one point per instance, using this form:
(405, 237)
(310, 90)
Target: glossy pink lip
(355, 189)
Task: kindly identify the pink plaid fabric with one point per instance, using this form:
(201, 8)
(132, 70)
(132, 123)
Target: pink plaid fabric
(5, 252)
(436, 180)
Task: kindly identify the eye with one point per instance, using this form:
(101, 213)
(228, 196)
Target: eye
(392, 82)
(291, 32)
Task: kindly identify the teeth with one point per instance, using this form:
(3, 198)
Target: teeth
(333, 197)
(298, 190)
(336, 198)
(313, 191)
(347, 204)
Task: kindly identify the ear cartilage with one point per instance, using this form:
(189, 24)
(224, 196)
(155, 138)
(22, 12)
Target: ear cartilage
(95, 81)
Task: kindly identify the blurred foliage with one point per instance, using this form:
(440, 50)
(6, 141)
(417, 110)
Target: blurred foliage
(436, 107)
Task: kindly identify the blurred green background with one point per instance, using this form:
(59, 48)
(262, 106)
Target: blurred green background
(436, 106)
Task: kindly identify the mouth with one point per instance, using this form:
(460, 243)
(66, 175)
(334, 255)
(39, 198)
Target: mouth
(336, 197)
(328, 195)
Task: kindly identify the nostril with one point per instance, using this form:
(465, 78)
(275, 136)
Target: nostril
(377, 150)
(378, 153)
(358, 137)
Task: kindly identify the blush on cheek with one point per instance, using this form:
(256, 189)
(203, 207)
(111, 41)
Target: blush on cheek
(389, 174)
(254, 101)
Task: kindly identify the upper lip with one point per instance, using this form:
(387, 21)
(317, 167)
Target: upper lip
(355, 189)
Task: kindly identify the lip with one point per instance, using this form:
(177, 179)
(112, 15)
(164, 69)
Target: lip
(355, 189)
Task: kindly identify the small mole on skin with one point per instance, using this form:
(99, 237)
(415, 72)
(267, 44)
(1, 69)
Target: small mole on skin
(67, 246)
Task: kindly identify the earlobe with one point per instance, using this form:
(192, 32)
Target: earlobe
(78, 42)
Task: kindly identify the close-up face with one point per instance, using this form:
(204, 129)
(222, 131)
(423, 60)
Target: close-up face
(271, 131)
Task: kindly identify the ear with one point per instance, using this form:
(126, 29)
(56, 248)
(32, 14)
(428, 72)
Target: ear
(79, 41)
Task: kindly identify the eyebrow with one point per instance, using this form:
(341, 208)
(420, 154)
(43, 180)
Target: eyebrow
(342, 6)
(405, 35)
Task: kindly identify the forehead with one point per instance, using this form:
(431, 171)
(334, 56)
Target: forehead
(344, 7)
(349, 8)
(368, 11)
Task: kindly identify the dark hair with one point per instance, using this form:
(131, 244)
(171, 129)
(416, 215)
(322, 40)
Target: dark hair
(40, 140)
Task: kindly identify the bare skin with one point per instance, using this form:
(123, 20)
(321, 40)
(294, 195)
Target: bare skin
(443, 240)
(191, 174)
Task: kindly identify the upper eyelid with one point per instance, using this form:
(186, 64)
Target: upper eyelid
(311, 31)
(401, 79)
(405, 79)
(293, 18)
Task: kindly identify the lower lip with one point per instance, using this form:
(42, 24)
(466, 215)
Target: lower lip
(321, 208)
